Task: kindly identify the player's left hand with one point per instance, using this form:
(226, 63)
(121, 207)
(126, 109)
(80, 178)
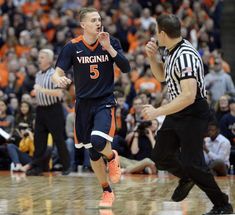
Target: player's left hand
(149, 112)
(104, 39)
(37, 87)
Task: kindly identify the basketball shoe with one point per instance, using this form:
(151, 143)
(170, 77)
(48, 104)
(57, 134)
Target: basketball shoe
(107, 200)
(114, 168)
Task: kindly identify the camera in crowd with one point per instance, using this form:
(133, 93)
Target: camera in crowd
(24, 129)
(142, 126)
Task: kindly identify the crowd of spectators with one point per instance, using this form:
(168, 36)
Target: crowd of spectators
(26, 26)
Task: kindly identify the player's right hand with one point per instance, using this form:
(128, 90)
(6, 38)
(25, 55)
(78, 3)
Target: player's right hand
(151, 48)
(63, 82)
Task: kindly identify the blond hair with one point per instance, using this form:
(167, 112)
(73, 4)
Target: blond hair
(49, 53)
(83, 12)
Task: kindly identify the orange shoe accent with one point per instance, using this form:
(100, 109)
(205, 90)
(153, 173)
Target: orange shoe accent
(114, 168)
(107, 200)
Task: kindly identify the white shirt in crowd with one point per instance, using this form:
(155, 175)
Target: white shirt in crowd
(218, 149)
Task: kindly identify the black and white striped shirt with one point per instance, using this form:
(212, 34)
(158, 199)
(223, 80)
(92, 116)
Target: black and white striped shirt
(184, 62)
(43, 78)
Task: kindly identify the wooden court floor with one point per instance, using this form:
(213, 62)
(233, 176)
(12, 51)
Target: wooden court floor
(78, 194)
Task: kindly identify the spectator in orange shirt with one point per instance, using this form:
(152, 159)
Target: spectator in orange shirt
(148, 83)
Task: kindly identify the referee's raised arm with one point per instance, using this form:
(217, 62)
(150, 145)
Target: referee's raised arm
(156, 67)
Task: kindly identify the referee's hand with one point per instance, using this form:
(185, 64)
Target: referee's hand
(151, 48)
(149, 112)
(63, 82)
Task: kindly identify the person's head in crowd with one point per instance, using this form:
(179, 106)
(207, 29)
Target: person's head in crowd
(145, 97)
(34, 54)
(223, 103)
(13, 105)
(25, 108)
(218, 64)
(184, 32)
(125, 80)
(213, 130)
(13, 66)
(137, 105)
(196, 6)
(168, 7)
(2, 95)
(232, 105)
(10, 32)
(146, 13)
(140, 60)
(26, 98)
(124, 20)
(37, 33)
(148, 72)
(204, 38)
(132, 64)
(31, 69)
(186, 4)
(3, 108)
(25, 38)
(43, 42)
(10, 55)
(45, 59)
(202, 16)
(206, 55)
(23, 62)
(168, 30)
(107, 21)
(11, 38)
(11, 78)
(159, 9)
(154, 125)
(18, 19)
(209, 25)
(119, 95)
(60, 37)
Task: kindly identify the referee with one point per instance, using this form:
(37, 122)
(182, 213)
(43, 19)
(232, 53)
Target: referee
(179, 142)
(49, 116)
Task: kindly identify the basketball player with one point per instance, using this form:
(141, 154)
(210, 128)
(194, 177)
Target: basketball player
(92, 56)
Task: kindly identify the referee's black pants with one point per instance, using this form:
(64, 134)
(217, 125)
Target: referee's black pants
(179, 150)
(50, 119)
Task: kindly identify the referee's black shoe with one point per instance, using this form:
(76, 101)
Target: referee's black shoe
(226, 209)
(34, 171)
(67, 171)
(182, 190)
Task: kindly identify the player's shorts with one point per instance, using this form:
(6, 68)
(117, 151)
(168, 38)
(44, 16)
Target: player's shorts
(94, 117)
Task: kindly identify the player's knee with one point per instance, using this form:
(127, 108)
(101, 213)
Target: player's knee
(98, 143)
(94, 155)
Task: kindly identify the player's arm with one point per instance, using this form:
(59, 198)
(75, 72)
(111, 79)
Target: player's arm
(115, 50)
(59, 78)
(156, 67)
(64, 62)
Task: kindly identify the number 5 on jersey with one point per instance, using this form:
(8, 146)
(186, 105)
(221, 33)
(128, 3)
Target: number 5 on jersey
(94, 72)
